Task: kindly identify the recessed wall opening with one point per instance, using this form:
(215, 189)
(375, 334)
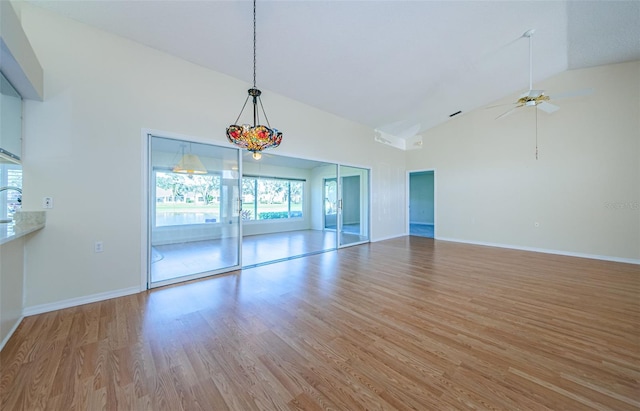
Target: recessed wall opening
(240, 212)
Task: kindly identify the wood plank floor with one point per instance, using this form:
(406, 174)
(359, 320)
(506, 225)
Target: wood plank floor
(195, 257)
(404, 324)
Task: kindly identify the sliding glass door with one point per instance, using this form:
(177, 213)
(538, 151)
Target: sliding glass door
(331, 204)
(205, 217)
(353, 205)
(194, 210)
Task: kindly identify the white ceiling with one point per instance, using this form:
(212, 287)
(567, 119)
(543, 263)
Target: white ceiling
(390, 65)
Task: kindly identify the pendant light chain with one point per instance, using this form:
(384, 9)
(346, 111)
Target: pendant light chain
(254, 138)
(254, 43)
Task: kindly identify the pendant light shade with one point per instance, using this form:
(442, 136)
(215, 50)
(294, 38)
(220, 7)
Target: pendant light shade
(189, 164)
(254, 138)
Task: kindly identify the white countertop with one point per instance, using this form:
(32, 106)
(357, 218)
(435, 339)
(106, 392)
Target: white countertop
(27, 222)
(10, 232)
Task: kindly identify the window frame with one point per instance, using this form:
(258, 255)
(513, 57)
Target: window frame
(255, 209)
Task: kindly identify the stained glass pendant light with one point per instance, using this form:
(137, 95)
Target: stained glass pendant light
(258, 137)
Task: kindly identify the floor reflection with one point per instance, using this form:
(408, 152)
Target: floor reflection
(184, 259)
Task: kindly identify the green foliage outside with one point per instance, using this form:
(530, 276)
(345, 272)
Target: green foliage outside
(272, 215)
(272, 195)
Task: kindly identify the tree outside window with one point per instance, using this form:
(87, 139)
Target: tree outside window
(271, 198)
(186, 199)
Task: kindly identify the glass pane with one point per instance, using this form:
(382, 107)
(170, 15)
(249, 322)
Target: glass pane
(182, 199)
(194, 225)
(10, 121)
(287, 208)
(354, 205)
(273, 199)
(11, 195)
(296, 194)
(248, 198)
(330, 203)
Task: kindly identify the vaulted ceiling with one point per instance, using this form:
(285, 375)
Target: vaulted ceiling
(398, 66)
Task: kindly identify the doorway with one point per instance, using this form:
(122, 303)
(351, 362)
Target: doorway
(422, 203)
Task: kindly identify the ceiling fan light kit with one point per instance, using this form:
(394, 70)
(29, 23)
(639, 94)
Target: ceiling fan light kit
(531, 97)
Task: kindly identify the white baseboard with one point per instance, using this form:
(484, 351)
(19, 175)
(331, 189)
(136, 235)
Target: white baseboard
(73, 302)
(375, 240)
(13, 329)
(546, 251)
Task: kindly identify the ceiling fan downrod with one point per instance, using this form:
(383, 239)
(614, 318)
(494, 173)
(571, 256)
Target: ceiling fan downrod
(529, 35)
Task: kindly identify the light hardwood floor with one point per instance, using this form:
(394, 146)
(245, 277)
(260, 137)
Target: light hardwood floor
(408, 324)
(188, 258)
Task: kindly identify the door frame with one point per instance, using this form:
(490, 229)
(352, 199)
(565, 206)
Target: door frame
(324, 204)
(435, 200)
(339, 179)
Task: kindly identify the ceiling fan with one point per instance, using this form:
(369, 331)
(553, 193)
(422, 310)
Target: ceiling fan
(538, 98)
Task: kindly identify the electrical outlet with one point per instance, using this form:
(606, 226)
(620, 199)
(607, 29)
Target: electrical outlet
(98, 247)
(47, 202)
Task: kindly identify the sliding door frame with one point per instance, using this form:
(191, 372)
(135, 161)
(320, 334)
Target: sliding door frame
(339, 217)
(147, 211)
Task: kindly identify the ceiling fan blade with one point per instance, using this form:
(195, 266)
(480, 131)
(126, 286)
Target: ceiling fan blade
(574, 93)
(500, 105)
(506, 113)
(548, 107)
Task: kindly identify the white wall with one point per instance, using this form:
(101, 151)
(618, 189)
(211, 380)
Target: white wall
(584, 190)
(83, 147)
(11, 287)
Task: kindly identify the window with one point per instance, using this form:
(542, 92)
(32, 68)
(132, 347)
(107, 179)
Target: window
(268, 198)
(186, 199)
(10, 200)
